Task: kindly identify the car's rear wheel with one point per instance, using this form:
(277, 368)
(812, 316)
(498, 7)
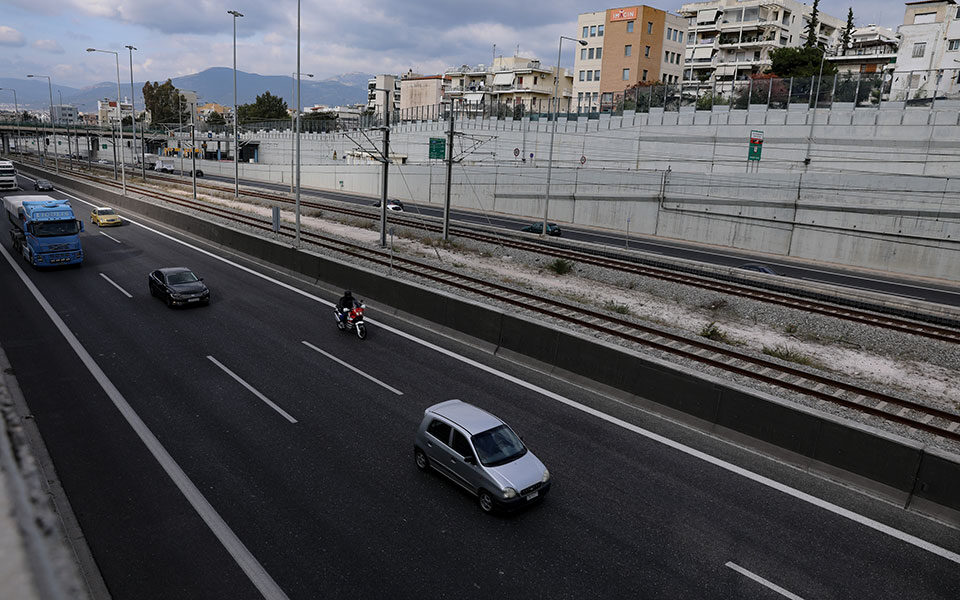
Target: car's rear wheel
(487, 504)
(421, 458)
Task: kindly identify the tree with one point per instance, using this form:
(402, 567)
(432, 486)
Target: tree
(847, 32)
(799, 62)
(811, 31)
(267, 107)
(215, 118)
(165, 103)
(26, 117)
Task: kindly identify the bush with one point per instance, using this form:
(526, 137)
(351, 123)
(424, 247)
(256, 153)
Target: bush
(612, 306)
(561, 266)
(791, 355)
(712, 332)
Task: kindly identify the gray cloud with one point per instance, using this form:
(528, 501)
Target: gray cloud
(52, 46)
(10, 36)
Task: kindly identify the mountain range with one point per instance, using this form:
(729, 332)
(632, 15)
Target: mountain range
(212, 85)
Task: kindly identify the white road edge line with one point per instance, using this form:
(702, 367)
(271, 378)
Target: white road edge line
(114, 284)
(253, 569)
(353, 368)
(253, 391)
(762, 581)
(776, 485)
(111, 237)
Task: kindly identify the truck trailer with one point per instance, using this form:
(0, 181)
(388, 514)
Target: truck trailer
(45, 230)
(8, 175)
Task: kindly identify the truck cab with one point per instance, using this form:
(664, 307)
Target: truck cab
(45, 230)
(8, 175)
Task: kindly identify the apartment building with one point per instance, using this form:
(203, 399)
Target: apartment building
(65, 114)
(728, 40)
(625, 46)
(928, 60)
(376, 101)
(421, 90)
(874, 50)
(517, 81)
(108, 111)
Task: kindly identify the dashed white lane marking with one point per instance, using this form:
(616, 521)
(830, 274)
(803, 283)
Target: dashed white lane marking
(111, 237)
(353, 368)
(763, 582)
(114, 284)
(253, 390)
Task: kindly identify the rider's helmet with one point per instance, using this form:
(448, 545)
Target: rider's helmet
(348, 294)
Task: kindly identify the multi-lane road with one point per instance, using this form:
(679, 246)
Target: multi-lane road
(249, 449)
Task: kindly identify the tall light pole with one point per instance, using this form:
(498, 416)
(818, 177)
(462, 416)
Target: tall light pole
(123, 169)
(236, 116)
(553, 131)
(293, 126)
(133, 112)
(387, 109)
(16, 108)
(69, 147)
(297, 120)
(56, 159)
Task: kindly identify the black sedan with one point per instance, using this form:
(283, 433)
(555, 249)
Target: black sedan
(758, 268)
(552, 228)
(42, 185)
(178, 286)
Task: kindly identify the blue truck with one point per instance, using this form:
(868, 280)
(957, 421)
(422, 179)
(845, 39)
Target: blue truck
(45, 230)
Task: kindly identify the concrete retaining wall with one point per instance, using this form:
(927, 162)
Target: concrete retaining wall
(908, 471)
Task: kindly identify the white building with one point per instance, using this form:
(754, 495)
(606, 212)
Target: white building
(874, 51)
(728, 40)
(375, 99)
(108, 111)
(928, 61)
(514, 82)
(65, 114)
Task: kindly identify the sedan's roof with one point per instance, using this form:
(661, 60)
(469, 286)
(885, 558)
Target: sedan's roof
(169, 270)
(471, 418)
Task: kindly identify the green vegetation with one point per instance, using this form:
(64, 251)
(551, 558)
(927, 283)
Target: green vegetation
(163, 100)
(612, 306)
(267, 107)
(712, 332)
(561, 266)
(791, 355)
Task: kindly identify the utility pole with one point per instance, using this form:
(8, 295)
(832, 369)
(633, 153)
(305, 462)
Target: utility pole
(133, 118)
(193, 152)
(387, 109)
(446, 197)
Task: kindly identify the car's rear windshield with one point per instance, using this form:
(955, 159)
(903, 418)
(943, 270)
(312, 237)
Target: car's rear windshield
(106, 211)
(184, 277)
(498, 446)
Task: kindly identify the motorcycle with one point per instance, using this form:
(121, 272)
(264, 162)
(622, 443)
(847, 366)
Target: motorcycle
(352, 320)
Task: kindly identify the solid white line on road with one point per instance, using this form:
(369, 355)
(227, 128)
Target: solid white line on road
(253, 391)
(240, 553)
(114, 284)
(776, 485)
(111, 237)
(353, 368)
(763, 581)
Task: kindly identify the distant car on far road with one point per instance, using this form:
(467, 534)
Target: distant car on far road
(394, 205)
(102, 161)
(104, 216)
(552, 228)
(758, 268)
(42, 185)
(178, 286)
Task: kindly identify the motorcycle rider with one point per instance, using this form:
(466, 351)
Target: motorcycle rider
(346, 304)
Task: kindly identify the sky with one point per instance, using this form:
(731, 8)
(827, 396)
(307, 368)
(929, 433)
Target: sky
(180, 37)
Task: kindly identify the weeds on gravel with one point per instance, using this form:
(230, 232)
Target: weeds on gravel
(561, 266)
(485, 254)
(712, 332)
(791, 329)
(791, 355)
(715, 305)
(612, 306)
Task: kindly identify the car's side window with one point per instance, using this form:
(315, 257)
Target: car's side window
(460, 444)
(440, 430)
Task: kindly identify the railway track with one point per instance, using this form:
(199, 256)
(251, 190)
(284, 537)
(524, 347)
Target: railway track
(823, 388)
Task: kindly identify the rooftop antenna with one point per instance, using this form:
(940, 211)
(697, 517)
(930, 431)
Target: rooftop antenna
(517, 53)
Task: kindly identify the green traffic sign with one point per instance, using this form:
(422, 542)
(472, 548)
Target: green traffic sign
(104, 146)
(438, 148)
(755, 151)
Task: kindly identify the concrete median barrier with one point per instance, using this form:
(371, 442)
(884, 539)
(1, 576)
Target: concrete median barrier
(912, 473)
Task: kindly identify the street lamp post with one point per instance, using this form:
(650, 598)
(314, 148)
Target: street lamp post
(123, 169)
(133, 112)
(553, 131)
(69, 147)
(297, 120)
(293, 127)
(16, 108)
(56, 159)
(236, 116)
(387, 109)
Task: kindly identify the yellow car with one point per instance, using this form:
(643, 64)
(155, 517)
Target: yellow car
(104, 216)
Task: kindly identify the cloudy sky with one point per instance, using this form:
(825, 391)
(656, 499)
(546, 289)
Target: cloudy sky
(179, 37)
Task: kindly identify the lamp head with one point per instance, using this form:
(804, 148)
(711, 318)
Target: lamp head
(91, 49)
(235, 13)
(31, 75)
(582, 42)
(131, 47)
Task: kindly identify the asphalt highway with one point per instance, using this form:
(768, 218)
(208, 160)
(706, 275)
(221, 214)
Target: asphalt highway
(299, 472)
(887, 284)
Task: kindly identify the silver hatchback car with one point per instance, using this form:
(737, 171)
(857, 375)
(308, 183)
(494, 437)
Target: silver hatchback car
(482, 454)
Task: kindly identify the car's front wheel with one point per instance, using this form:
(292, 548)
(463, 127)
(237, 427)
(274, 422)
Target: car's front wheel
(421, 458)
(169, 301)
(487, 503)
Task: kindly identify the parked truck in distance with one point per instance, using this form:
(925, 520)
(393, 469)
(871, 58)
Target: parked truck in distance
(170, 165)
(8, 175)
(45, 230)
(149, 160)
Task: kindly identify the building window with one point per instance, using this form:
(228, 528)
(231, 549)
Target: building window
(756, 55)
(630, 25)
(649, 27)
(599, 52)
(646, 51)
(666, 56)
(583, 75)
(586, 32)
(953, 45)
(628, 50)
(590, 53)
(596, 75)
(626, 74)
(669, 33)
(534, 80)
(593, 31)
(589, 75)
(579, 97)
(691, 37)
(519, 80)
(583, 54)
(918, 49)
(600, 30)
(644, 74)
